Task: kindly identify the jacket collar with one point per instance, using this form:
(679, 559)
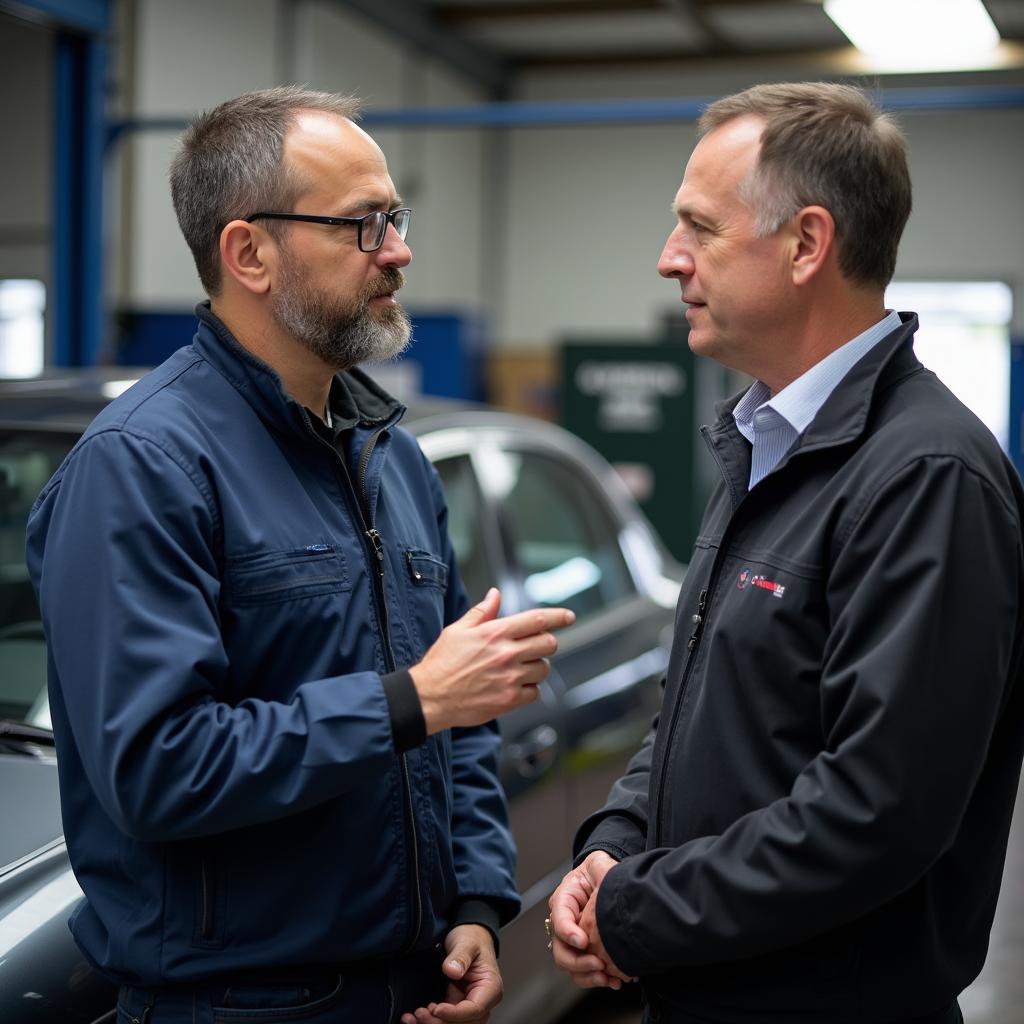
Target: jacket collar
(262, 388)
(844, 415)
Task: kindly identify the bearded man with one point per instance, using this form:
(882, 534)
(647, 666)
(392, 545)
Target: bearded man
(273, 711)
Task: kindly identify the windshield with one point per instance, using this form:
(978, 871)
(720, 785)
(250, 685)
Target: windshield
(27, 460)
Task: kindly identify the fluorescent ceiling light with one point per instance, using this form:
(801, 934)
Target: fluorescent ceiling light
(935, 35)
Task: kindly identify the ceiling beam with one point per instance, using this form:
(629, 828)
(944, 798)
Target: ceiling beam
(693, 14)
(824, 56)
(412, 23)
(530, 10)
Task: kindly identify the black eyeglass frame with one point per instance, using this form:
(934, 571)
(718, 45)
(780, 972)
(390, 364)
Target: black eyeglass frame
(390, 217)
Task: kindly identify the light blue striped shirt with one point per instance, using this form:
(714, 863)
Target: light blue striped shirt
(771, 423)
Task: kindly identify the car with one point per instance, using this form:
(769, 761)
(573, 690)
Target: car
(531, 508)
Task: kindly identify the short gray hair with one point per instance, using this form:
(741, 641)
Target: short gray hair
(230, 165)
(826, 145)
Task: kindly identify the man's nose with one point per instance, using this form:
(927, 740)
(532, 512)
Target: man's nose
(676, 259)
(393, 251)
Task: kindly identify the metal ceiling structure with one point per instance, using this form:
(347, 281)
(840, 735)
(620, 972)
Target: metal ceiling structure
(491, 41)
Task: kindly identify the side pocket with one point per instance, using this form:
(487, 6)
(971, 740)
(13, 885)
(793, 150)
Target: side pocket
(210, 902)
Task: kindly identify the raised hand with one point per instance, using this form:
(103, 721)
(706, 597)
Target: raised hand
(482, 666)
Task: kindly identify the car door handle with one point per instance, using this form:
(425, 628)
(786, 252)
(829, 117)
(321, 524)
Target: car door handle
(534, 753)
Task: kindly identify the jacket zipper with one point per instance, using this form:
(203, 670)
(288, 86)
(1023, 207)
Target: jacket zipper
(698, 620)
(376, 543)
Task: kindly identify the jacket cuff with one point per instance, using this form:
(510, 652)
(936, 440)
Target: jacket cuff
(615, 834)
(408, 727)
(478, 911)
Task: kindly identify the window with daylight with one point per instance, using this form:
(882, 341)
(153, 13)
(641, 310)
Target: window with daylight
(965, 339)
(22, 310)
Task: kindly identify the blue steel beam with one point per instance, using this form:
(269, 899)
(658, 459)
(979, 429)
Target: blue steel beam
(90, 16)
(79, 134)
(640, 111)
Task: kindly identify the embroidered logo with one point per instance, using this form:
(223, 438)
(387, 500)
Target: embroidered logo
(775, 589)
(747, 578)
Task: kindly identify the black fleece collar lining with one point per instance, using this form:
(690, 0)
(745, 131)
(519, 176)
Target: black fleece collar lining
(353, 393)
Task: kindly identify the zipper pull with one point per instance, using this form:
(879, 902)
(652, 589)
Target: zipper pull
(378, 545)
(697, 619)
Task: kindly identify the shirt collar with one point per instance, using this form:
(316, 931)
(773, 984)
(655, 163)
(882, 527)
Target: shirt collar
(799, 402)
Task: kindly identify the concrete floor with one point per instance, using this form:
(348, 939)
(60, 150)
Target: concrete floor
(996, 996)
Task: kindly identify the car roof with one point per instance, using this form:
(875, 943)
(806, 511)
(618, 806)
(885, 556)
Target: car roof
(69, 400)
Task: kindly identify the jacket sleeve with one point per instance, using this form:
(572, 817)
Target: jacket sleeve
(620, 827)
(485, 852)
(924, 596)
(122, 550)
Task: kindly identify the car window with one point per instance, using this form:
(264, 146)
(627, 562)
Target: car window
(464, 525)
(563, 533)
(27, 461)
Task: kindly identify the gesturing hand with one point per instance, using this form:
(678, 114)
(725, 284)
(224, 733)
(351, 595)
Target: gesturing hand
(575, 940)
(482, 666)
(474, 987)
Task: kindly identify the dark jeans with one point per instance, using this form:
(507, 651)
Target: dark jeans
(366, 993)
(950, 1015)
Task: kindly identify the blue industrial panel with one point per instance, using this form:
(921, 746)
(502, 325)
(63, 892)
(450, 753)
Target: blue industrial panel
(79, 134)
(89, 16)
(447, 347)
(1017, 403)
(148, 338)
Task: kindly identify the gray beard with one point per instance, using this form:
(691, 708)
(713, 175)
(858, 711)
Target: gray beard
(343, 336)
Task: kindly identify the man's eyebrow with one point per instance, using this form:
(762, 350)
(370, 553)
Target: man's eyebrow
(687, 211)
(364, 206)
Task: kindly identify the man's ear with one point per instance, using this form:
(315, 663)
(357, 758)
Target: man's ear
(814, 233)
(248, 254)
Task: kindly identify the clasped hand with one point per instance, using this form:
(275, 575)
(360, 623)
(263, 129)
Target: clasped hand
(575, 940)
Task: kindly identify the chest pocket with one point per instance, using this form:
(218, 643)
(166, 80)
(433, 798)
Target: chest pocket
(426, 582)
(267, 577)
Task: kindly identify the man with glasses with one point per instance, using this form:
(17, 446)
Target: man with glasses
(273, 711)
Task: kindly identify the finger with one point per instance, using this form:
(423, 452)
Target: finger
(566, 907)
(457, 962)
(486, 610)
(534, 672)
(537, 620)
(462, 1012)
(612, 971)
(573, 962)
(424, 1016)
(536, 646)
(596, 980)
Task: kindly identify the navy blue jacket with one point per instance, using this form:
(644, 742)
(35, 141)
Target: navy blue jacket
(222, 633)
(815, 831)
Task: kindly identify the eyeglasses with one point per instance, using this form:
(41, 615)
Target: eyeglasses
(372, 227)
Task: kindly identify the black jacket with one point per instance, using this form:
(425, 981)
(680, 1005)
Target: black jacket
(815, 829)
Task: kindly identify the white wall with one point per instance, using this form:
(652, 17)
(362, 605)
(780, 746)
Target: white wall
(588, 208)
(547, 231)
(193, 54)
(26, 115)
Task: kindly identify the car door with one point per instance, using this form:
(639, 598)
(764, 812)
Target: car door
(532, 764)
(564, 542)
